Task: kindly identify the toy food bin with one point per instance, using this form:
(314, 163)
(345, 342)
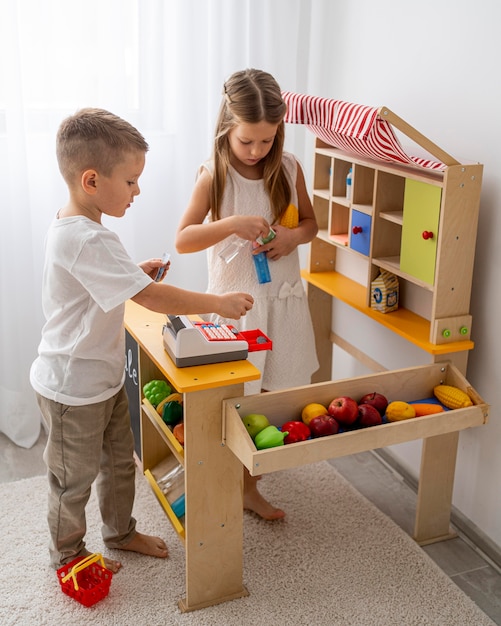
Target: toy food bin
(410, 384)
(439, 431)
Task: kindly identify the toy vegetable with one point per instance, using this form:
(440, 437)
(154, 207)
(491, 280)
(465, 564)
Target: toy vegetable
(427, 408)
(172, 413)
(298, 431)
(270, 437)
(452, 397)
(178, 432)
(156, 390)
(399, 410)
(290, 217)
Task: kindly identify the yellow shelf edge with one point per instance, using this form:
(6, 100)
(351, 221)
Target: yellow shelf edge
(409, 325)
(174, 520)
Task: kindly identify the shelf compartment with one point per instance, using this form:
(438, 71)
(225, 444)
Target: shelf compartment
(339, 174)
(339, 219)
(323, 168)
(340, 240)
(406, 384)
(321, 210)
(363, 185)
(397, 217)
(162, 428)
(392, 264)
(164, 503)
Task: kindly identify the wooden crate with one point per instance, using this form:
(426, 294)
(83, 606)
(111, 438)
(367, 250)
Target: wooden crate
(408, 384)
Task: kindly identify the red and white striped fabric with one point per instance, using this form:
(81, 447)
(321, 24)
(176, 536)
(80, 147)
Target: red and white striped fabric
(352, 127)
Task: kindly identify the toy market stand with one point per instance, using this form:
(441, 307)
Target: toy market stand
(217, 444)
(414, 217)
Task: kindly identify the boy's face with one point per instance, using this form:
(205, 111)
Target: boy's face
(114, 194)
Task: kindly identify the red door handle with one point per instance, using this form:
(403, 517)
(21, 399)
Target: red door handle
(427, 234)
(356, 229)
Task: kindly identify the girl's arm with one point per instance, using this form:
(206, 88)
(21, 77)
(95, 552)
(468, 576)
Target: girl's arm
(194, 234)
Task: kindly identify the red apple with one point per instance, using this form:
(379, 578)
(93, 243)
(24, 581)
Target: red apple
(377, 400)
(323, 425)
(344, 409)
(368, 415)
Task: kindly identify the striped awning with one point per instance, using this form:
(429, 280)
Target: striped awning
(356, 128)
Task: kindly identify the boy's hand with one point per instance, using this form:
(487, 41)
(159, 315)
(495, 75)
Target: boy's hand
(152, 267)
(234, 305)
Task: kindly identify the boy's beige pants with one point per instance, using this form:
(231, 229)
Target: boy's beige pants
(86, 444)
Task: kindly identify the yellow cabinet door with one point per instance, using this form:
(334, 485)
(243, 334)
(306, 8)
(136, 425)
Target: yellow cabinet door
(420, 230)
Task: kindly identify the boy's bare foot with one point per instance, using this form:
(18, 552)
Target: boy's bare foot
(254, 501)
(147, 544)
(112, 565)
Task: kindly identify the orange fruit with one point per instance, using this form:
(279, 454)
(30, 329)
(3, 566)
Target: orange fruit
(312, 410)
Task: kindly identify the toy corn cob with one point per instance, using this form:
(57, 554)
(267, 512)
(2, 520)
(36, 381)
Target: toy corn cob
(452, 397)
(290, 218)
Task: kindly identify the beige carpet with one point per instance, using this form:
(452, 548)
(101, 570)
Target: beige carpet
(337, 560)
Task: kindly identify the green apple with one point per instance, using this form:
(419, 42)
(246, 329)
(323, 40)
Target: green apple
(255, 423)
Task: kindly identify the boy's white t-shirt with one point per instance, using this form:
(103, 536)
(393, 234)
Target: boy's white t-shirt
(88, 277)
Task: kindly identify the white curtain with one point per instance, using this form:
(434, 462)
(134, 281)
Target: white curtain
(160, 64)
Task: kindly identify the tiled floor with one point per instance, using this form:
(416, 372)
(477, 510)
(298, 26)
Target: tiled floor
(373, 478)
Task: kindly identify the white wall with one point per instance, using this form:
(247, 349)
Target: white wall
(436, 64)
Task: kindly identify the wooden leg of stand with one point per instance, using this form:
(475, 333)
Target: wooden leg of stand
(436, 481)
(320, 304)
(214, 504)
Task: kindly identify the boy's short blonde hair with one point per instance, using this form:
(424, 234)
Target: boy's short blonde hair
(95, 139)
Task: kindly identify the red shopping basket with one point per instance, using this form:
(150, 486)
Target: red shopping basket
(85, 580)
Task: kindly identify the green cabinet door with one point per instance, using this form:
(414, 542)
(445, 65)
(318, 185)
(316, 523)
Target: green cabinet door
(420, 230)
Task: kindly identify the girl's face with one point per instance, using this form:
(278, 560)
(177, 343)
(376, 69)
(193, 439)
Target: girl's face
(250, 143)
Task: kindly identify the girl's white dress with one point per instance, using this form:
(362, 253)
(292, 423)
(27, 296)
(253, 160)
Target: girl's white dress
(280, 307)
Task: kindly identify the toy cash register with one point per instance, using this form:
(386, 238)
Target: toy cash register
(190, 342)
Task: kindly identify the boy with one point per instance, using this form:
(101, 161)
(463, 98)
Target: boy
(78, 376)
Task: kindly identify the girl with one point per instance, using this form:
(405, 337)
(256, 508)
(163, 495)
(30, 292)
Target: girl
(243, 191)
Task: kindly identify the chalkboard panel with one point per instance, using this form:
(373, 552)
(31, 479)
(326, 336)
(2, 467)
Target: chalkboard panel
(132, 388)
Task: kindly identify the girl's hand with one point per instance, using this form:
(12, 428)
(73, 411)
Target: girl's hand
(249, 227)
(282, 245)
(151, 267)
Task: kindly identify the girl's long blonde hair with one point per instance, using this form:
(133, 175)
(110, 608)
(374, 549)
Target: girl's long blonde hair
(251, 96)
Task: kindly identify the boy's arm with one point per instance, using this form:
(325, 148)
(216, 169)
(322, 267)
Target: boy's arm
(175, 301)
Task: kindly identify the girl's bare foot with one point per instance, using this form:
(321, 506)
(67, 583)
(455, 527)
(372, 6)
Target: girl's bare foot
(147, 544)
(254, 501)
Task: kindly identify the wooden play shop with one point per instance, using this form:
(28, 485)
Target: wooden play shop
(411, 217)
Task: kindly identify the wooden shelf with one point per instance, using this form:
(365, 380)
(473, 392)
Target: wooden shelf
(166, 433)
(397, 217)
(164, 503)
(407, 324)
